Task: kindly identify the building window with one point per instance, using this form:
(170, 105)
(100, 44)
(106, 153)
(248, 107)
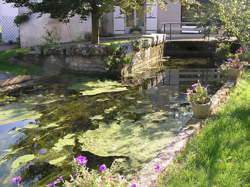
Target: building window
(136, 17)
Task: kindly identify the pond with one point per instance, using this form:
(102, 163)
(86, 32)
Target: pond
(121, 124)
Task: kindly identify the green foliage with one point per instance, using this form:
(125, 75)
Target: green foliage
(21, 18)
(232, 17)
(61, 10)
(51, 38)
(246, 56)
(86, 178)
(223, 51)
(116, 57)
(198, 95)
(137, 45)
(87, 36)
(135, 29)
(219, 154)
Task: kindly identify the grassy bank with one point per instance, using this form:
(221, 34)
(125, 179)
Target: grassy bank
(220, 154)
(7, 66)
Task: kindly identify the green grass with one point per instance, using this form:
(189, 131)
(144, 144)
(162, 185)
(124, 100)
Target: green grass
(116, 42)
(220, 154)
(12, 68)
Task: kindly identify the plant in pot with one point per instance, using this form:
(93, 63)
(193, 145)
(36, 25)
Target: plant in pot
(200, 101)
(233, 67)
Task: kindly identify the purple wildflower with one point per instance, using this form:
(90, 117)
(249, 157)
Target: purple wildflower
(82, 160)
(158, 168)
(195, 85)
(102, 168)
(16, 179)
(59, 179)
(121, 177)
(51, 184)
(133, 185)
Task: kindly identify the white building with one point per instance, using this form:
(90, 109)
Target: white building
(8, 29)
(34, 31)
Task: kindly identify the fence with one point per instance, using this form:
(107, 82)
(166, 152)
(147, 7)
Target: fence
(9, 31)
(172, 28)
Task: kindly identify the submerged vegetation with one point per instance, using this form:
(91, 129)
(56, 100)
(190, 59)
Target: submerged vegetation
(98, 119)
(219, 154)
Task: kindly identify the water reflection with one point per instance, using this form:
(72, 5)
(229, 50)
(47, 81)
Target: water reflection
(176, 77)
(124, 129)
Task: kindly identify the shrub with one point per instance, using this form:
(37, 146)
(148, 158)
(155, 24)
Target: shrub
(223, 51)
(116, 57)
(20, 19)
(88, 36)
(51, 38)
(135, 29)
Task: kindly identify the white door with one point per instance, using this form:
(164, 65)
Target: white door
(151, 18)
(119, 21)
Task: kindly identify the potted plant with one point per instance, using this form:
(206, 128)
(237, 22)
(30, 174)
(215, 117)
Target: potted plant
(200, 101)
(233, 67)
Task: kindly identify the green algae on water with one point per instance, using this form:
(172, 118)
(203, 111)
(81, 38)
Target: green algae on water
(98, 87)
(16, 112)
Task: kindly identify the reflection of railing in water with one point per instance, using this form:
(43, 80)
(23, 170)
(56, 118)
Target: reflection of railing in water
(175, 77)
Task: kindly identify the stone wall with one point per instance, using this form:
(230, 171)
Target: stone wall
(90, 58)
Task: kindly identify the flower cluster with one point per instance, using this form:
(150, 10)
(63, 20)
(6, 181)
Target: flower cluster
(82, 160)
(198, 94)
(93, 178)
(233, 63)
(16, 180)
(237, 60)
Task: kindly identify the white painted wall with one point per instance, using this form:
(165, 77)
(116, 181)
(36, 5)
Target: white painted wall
(171, 14)
(32, 33)
(7, 9)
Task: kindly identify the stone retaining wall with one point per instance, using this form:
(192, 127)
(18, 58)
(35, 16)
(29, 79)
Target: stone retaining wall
(86, 57)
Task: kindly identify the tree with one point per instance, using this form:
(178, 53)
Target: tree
(65, 9)
(230, 16)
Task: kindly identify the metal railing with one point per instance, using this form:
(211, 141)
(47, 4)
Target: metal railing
(181, 28)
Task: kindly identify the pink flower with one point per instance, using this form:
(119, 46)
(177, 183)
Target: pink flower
(82, 160)
(195, 85)
(16, 179)
(158, 168)
(51, 184)
(102, 168)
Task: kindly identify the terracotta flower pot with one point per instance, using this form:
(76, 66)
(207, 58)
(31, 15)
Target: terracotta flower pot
(201, 111)
(233, 74)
